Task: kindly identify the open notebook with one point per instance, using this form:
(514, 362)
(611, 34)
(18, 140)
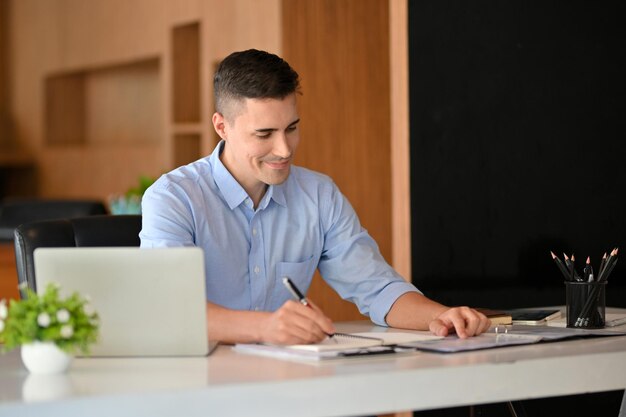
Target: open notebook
(341, 345)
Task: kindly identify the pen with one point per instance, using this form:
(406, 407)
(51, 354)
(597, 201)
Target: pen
(588, 271)
(295, 291)
(303, 300)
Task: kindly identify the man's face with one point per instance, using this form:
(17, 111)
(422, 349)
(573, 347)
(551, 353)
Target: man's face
(261, 138)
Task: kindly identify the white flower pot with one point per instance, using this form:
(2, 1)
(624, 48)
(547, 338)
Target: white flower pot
(45, 358)
(41, 387)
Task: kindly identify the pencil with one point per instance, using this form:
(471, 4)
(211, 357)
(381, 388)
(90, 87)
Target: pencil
(570, 267)
(608, 265)
(568, 264)
(592, 301)
(560, 265)
(602, 265)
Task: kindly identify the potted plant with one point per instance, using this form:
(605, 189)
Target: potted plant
(130, 202)
(48, 328)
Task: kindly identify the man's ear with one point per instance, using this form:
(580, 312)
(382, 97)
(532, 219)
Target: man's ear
(219, 124)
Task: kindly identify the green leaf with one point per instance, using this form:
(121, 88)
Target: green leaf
(144, 183)
(21, 324)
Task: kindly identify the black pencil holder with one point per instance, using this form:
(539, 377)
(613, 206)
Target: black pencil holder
(586, 305)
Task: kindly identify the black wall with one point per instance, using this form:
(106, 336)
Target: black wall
(518, 146)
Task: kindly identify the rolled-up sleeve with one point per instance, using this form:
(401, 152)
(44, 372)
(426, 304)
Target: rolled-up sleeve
(351, 261)
(167, 220)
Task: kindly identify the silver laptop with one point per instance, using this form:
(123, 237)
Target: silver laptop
(151, 302)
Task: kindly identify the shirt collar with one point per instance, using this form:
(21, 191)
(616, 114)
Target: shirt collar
(277, 193)
(232, 191)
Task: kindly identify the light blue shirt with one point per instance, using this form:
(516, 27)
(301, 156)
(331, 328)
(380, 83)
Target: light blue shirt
(300, 225)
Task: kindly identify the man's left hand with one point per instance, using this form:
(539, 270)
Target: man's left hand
(464, 321)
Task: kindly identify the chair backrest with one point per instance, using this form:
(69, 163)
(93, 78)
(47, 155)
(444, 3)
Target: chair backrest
(104, 230)
(14, 212)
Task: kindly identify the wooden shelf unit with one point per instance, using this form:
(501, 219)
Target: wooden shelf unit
(186, 73)
(104, 105)
(186, 93)
(186, 148)
(182, 128)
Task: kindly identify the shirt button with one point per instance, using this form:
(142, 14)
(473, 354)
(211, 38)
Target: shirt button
(254, 232)
(256, 269)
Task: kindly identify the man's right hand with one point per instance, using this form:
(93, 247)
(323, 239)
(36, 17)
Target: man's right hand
(296, 323)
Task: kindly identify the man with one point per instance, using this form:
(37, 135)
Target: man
(260, 219)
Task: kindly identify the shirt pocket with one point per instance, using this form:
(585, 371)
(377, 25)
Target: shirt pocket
(300, 273)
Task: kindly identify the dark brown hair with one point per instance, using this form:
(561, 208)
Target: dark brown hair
(253, 74)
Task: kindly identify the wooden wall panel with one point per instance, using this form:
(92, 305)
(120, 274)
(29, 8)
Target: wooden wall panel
(241, 24)
(183, 11)
(34, 46)
(186, 148)
(341, 51)
(97, 172)
(400, 169)
(102, 32)
(4, 76)
(8, 272)
(123, 104)
(65, 109)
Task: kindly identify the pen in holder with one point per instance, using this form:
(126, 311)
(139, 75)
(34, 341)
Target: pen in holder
(586, 306)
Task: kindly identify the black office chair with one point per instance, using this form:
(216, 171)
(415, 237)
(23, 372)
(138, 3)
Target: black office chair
(90, 231)
(14, 212)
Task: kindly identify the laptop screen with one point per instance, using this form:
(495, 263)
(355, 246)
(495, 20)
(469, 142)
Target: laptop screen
(151, 302)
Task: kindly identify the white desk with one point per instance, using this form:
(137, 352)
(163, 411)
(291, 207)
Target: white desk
(231, 384)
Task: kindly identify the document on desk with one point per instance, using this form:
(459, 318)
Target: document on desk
(549, 333)
(453, 343)
(341, 345)
(515, 335)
